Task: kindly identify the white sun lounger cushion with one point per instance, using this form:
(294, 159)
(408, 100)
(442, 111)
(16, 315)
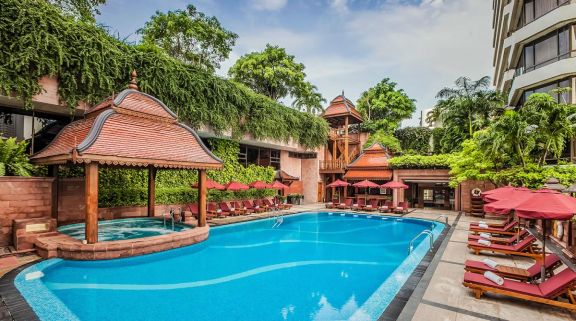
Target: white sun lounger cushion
(483, 225)
(493, 277)
(484, 242)
(490, 263)
(485, 236)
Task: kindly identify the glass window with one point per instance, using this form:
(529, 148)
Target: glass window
(564, 42)
(428, 195)
(242, 155)
(252, 155)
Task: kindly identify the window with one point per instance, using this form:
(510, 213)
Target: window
(563, 97)
(551, 48)
(275, 158)
(304, 155)
(428, 195)
(534, 9)
(259, 156)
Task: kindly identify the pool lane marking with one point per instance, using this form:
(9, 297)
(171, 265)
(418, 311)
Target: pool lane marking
(194, 284)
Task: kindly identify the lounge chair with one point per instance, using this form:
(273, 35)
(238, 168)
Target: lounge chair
(193, 208)
(267, 202)
(249, 206)
(548, 292)
(522, 248)
(508, 229)
(346, 205)
(501, 240)
(243, 208)
(360, 205)
(260, 204)
(334, 204)
(284, 205)
(387, 207)
(551, 262)
(402, 208)
(214, 211)
(233, 211)
(372, 206)
(493, 225)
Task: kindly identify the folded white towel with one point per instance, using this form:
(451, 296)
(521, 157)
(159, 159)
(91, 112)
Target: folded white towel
(484, 242)
(244, 207)
(483, 225)
(369, 206)
(218, 211)
(384, 207)
(493, 277)
(490, 263)
(485, 236)
(400, 208)
(343, 204)
(257, 206)
(355, 205)
(482, 222)
(232, 208)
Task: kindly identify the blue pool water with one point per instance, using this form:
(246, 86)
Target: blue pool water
(314, 266)
(125, 229)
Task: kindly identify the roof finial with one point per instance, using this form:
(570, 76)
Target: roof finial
(133, 83)
(342, 93)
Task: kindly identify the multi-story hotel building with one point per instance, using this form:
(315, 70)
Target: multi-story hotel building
(534, 48)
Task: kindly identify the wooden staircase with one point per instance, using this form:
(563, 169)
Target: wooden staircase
(476, 206)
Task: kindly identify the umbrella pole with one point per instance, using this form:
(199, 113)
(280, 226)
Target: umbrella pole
(543, 268)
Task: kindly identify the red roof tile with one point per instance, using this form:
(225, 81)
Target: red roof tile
(135, 129)
(371, 164)
(341, 107)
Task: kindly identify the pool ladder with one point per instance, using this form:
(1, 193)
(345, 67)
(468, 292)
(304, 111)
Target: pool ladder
(171, 218)
(442, 216)
(278, 220)
(425, 232)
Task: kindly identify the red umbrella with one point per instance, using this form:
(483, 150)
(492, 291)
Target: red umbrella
(338, 183)
(278, 185)
(504, 193)
(507, 205)
(394, 185)
(366, 184)
(210, 184)
(236, 186)
(259, 185)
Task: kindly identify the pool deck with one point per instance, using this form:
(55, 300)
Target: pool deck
(439, 294)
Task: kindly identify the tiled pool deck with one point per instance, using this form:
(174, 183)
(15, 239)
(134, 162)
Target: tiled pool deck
(439, 295)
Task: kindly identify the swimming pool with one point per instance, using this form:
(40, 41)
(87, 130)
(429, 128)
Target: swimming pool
(125, 229)
(314, 266)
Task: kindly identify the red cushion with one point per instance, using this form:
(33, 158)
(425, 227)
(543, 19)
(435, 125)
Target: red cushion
(478, 265)
(509, 285)
(557, 283)
(516, 247)
(550, 260)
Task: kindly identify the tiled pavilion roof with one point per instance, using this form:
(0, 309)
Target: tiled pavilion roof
(339, 108)
(132, 129)
(372, 164)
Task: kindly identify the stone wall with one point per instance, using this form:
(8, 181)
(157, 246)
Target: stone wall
(466, 192)
(23, 198)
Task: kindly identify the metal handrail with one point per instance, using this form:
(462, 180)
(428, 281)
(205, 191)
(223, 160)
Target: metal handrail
(444, 216)
(425, 232)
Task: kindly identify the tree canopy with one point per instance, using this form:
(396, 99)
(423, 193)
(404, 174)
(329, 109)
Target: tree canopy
(81, 9)
(384, 106)
(464, 109)
(276, 74)
(190, 36)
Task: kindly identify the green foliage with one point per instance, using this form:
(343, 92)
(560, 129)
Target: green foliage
(470, 164)
(190, 36)
(81, 9)
(441, 161)
(387, 140)
(276, 74)
(384, 106)
(38, 40)
(13, 158)
(129, 187)
(465, 109)
(414, 140)
(534, 176)
(437, 137)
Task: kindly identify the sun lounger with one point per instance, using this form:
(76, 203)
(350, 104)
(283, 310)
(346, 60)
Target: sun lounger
(249, 206)
(501, 240)
(233, 211)
(562, 284)
(243, 208)
(333, 204)
(358, 206)
(551, 262)
(508, 229)
(267, 202)
(260, 204)
(193, 208)
(387, 207)
(373, 206)
(214, 211)
(523, 248)
(346, 205)
(493, 225)
(402, 208)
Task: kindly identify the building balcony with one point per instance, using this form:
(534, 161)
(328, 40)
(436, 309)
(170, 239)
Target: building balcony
(546, 74)
(332, 166)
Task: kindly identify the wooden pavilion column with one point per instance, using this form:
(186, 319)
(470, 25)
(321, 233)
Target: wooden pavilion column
(53, 172)
(201, 197)
(91, 199)
(346, 141)
(151, 191)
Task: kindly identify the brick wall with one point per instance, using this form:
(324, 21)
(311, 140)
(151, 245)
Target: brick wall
(466, 192)
(22, 198)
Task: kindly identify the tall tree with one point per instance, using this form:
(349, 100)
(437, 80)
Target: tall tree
(384, 106)
(466, 108)
(276, 74)
(190, 36)
(82, 9)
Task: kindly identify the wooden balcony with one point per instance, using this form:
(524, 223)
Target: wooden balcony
(332, 166)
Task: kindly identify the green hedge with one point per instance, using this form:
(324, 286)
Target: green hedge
(441, 161)
(37, 40)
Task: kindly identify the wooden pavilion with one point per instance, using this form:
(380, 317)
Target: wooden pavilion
(371, 164)
(130, 130)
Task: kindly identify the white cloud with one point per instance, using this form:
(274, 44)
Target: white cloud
(340, 6)
(269, 5)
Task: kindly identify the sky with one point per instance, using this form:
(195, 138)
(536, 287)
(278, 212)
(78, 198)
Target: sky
(350, 45)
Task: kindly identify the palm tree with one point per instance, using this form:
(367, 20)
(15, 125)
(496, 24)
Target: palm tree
(309, 100)
(13, 158)
(466, 108)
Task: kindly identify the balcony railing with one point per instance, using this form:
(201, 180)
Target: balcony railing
(331, 165)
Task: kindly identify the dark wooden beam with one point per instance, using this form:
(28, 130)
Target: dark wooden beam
(91, 199)
(53, 172)
(151, 191)
(201, 197)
